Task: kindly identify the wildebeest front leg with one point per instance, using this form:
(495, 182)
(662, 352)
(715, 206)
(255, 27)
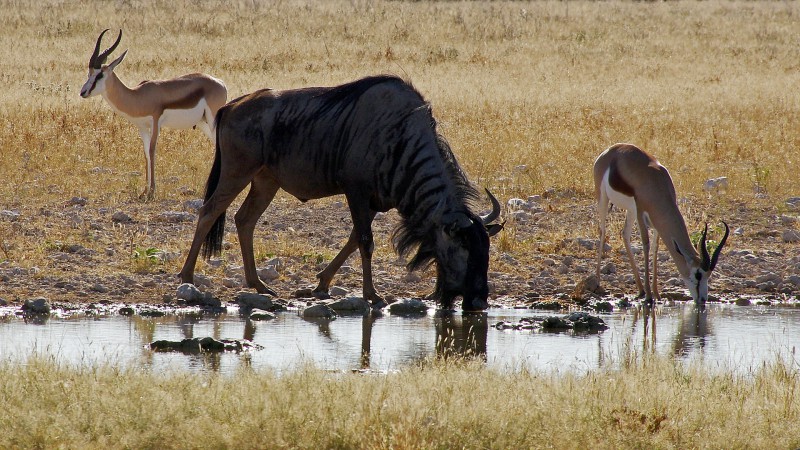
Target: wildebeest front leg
(262, 191)
(362, 228)
(326, 275)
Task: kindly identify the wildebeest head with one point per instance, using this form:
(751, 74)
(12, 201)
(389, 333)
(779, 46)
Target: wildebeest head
(461, 251)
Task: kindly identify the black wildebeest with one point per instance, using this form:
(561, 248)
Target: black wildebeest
(373, 140)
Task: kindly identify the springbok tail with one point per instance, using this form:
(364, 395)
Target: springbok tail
(213, 243)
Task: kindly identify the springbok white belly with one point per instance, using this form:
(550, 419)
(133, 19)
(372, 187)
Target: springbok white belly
(183, 118)
(617, 198)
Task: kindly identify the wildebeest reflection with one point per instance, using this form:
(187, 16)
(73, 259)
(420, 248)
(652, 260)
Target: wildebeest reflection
(461, 335)
(373, 140)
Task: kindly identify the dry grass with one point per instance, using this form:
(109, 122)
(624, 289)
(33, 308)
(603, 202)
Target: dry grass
(656, 403)
(710, 88)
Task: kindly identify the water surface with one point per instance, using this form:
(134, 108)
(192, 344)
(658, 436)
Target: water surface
(722, 336)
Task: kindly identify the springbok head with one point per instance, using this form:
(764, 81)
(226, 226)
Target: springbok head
(699, 269)
(462, 256)
(98, 70)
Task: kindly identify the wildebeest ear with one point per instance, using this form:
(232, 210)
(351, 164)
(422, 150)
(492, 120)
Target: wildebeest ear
(494, 228)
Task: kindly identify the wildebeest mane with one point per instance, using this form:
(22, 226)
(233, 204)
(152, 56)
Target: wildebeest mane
(414, 231)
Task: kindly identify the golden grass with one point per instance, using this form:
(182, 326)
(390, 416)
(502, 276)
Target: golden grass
(655, 403)
(710, 88)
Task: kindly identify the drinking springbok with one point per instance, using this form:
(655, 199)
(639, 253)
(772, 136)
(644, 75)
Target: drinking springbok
(633, 180)
(373, 140)
(188, 101)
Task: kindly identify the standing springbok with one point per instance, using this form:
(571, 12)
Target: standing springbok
(185, 102)
(373, 140)
(633, 180)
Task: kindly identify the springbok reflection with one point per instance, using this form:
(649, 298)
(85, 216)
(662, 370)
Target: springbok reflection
(693, 332)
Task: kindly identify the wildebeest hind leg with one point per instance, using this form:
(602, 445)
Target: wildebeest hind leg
(208, 214)
(262, 191)
(326, 275)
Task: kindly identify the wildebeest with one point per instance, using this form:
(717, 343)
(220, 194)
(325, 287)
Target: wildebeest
(373, 140)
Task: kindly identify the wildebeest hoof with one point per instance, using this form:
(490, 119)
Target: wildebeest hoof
(321, 295)
(265, 290)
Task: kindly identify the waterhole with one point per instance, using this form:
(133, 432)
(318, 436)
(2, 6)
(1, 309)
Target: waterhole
(722, 336)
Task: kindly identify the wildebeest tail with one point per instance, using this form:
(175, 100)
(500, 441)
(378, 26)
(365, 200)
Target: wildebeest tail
(213, 243)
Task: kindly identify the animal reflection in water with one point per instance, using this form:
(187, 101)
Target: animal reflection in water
(691, 336)
(457, 335)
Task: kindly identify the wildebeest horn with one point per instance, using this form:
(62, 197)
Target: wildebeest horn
(98, 59)
(495, 209)
(719, 248)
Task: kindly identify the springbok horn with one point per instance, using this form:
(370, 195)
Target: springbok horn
(706, 261)
(101, 58)
(93, 60)
(719, 247)
(495, 209)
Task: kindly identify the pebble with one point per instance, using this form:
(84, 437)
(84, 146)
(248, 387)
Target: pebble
(337, 291)
(37, 306)
(408, 306)
(193, 205)
(269, 273)
(319, 311)
(791, 236)
(260, 314)
(252, 300)
(350, 304)
(174, 217)
(121, 217)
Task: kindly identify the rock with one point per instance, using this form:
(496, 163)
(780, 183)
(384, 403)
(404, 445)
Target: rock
(37, 306)
(769, 276)
(337, 291)
(793, 203)
(197, 345)
(590, 285)
(260, 314)
(254, 301)
(412, 277)
(608, 269)
(790, 236)
(99, 288)
(350, 304)
(304, 293)
(76, 201)
(582, 320)
(548, 305)
(3, 302)
(603, 306)
(319, 311)
(193, 205)
(193, 296)
(174, 217)
(716, 185)
(10, 216)
(408, 306)
(231, 282)
(555, 323)
(121, 217)
(793, 279)
(126, 311)
(269, 273)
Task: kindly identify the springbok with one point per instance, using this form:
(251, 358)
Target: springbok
(373, 140)
(633, 180)
(188, 101)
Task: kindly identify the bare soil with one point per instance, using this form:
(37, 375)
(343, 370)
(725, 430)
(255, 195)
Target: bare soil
(88, 253)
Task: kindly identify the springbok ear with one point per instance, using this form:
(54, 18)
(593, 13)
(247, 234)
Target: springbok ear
(117, 61)
(685, 255)
(494, 228)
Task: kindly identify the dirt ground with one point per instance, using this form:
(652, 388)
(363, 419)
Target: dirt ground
(81, 252)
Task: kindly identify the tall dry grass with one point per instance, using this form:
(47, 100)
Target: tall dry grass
(710, 88)
(656, 403)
